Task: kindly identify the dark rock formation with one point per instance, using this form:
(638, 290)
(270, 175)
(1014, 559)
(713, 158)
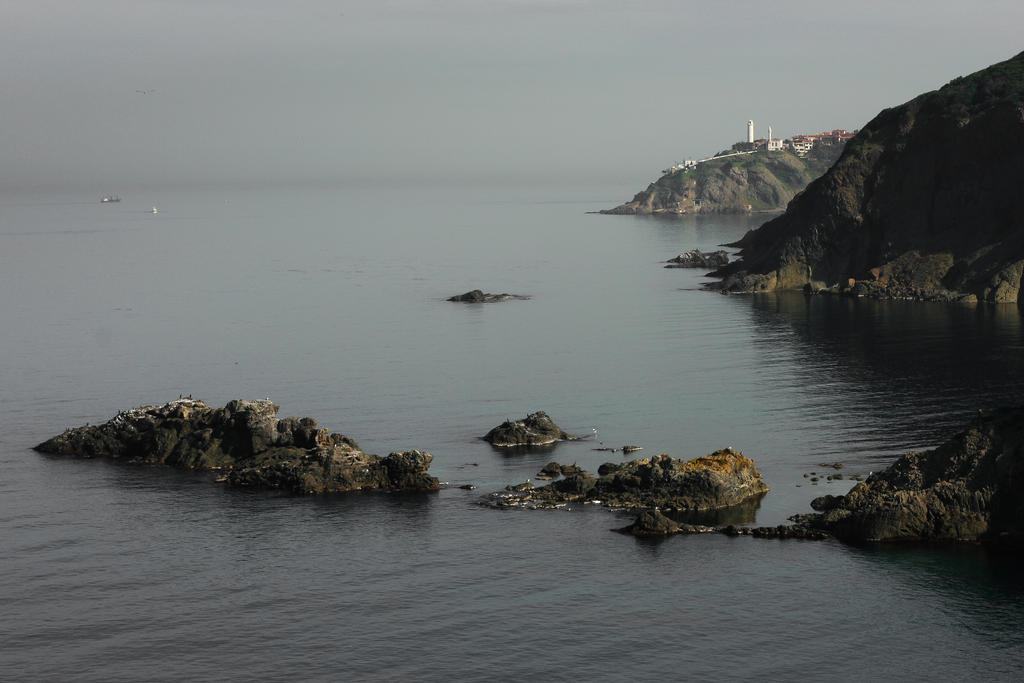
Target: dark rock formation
(924, 203)
(478, 296)
(825, 503)
(553, 469)
(696, 258)
(550, 471)
(762, 181)
(655, 523)
(536, 429)
(970, 488)
(781, 531)
(721, 479)
(246, 439)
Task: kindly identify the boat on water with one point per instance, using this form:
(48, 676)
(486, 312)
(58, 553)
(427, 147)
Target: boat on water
(154, 210)
(109, 199)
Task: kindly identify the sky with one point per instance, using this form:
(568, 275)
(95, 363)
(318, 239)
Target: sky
(111, 94)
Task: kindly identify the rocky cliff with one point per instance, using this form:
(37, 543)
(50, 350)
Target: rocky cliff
(923, 203)
(249, 442)
(970, 488)
(761, 181)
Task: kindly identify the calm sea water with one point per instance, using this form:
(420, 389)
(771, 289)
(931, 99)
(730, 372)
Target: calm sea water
(331, 302)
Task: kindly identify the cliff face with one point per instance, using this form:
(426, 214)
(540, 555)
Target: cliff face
(924, 203)
(968, 489)
(762, 181)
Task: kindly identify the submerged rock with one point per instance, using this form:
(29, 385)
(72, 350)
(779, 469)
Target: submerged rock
(722, 479)
(970, 488)
(246, 439)
(696, 258)
(786, 531)
(536, 429)
(478, 296)
(654, 523)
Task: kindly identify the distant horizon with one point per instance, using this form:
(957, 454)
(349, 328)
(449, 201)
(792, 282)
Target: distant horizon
(497, 175)
(517, 91)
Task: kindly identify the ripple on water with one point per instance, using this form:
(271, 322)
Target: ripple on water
(117, 572)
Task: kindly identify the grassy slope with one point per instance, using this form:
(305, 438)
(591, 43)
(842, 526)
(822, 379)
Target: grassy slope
(761, 181)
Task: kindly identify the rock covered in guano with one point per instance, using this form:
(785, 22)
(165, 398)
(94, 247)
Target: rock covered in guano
(970, 488)
(536, 429)
(478, 296)
(695, 258)
(721, 479)
(249, 442)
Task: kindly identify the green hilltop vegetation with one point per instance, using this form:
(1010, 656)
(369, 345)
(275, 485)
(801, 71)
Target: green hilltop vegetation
(733, 183)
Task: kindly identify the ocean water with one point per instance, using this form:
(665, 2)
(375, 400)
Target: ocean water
(331, 301)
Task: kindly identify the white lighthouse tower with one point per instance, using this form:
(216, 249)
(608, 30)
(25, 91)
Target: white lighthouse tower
(750, 131)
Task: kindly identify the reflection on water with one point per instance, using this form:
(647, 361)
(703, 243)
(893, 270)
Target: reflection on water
(526, 450)
(909, 372)
(983, 586)
(744, 513)
(117, 567)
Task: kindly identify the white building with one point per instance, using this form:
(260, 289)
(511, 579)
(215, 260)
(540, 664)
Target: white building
(750, 131)
(801, 144)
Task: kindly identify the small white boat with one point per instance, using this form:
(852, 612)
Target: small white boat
(109, 199)
(154, 210)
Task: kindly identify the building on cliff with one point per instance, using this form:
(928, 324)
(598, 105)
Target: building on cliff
(800, 144)
(924, 203)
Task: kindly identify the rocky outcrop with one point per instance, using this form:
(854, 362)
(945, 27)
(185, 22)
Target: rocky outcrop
(249, 442)
(696, 258)
(554, 469)
(478, 296)
(971, 488)
(536, 429)
(782, 531)
(656, 523)
(924, 203)
(721, 479)
(762, 181)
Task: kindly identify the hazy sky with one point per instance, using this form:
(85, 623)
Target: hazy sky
(494, 90)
